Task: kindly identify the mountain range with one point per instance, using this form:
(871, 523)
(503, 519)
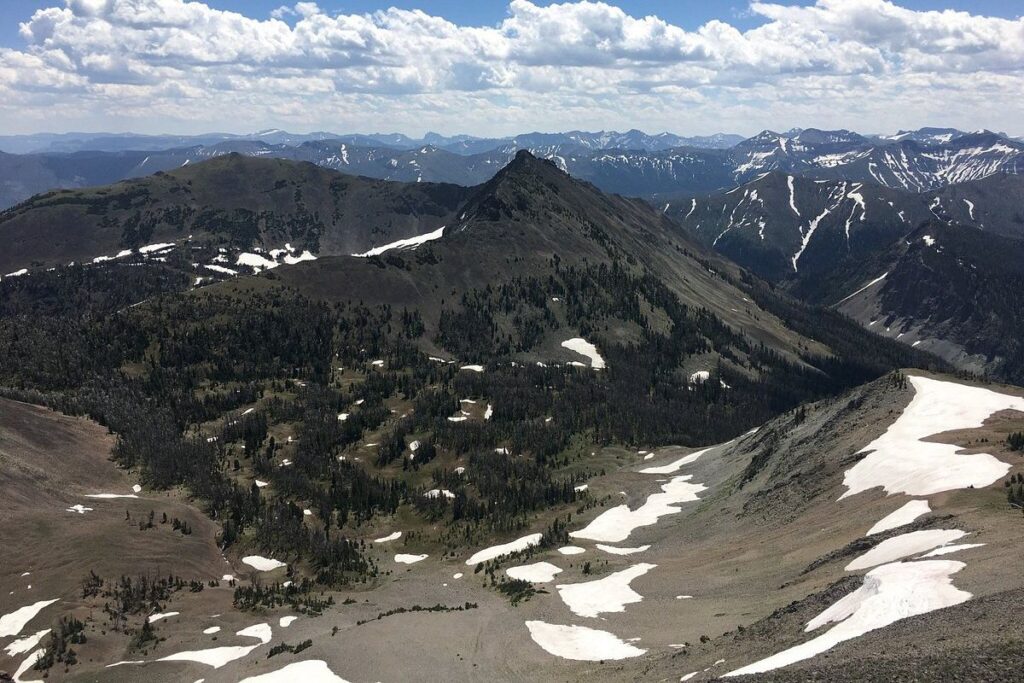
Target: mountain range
(661, 167)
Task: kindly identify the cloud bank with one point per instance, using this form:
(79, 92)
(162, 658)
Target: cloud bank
(173, 65)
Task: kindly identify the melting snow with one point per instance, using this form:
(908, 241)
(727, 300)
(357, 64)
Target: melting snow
(673, 466)
(29, 662)
(496, 551)
(285, 622)
(615, 525)
(162, 615)
(900, 461)
(904, 545)
(393, 536)
(219, 656)
(473, 368)
(580, 643)
(210, 631)
(79, 508)
(309, 671)
(411, 242)
(622, 551)
(571, 550)
(873, 282)
(23, 645)
(111, 495)
(948, 549)
(409, 559)
(11, 624)
(539, 572)
(262, 564)
(159, 246)
(905, 515)
(792, 196)
(585, 348)
(609, 594)
(890, 593)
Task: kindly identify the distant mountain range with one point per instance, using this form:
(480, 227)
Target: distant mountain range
(663, 167)
(459, 144)
(939, 269)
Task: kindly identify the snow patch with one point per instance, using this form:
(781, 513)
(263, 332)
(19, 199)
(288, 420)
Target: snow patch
(496, 551)
(890, 593)
(309, 671)
(673, 466)
(408, 243)
(609, 594)
(539, 572)
(11, 624)
(585, 348)
(905, 515)
(263, 564)
(622, 551)
(404, 558)
(580, 643)
(904, 545)
(615, 525)
(900, 461)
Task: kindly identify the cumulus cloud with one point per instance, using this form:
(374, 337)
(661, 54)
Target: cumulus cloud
(552, 66)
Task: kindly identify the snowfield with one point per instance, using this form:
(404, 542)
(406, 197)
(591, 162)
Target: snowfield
(901, 461)
(393, 536)
(905, 515)
(609, 594)
(615, 525)
(904, 545)
(673, 466)
(622, 551)
(310, 671)
(949, 549)
(23, 645)
(408, 243)
(580, 643)
(403, 558)
(11, 624)
(219, 656)
(890, 593)
(539, 572)
(496, 551)
(585, 348)
(262, 564)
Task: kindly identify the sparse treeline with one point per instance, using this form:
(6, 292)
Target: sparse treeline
(202, 389)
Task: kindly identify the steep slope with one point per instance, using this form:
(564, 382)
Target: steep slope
(807, 232)
(905, 164)
(783, 227)
(533, 226)
(950, 289)
(234, 201)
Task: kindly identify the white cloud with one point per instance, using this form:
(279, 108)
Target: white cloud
(172, 64)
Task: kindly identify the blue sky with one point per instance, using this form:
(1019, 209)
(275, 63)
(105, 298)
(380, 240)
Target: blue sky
(686, 13)
(504, 67)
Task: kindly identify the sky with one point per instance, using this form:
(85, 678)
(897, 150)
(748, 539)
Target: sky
(498, 68)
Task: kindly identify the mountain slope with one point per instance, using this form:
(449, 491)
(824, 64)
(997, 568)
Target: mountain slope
(234, 201)
(953, 290)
